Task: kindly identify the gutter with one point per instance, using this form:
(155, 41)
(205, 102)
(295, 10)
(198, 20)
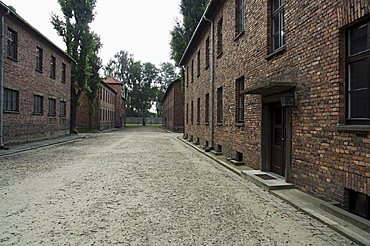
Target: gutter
(2, 79)
(212, 81)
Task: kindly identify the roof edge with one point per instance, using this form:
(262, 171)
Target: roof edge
(169, 87)
(210, 5)
(18, 17)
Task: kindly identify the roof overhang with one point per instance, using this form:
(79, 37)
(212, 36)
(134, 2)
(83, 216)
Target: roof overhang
(271, 88)
(208, 14)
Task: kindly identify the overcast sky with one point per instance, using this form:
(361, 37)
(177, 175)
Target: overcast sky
(140, 27)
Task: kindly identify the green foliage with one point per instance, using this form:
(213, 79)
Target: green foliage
(146, 83)
(192, 11)
(74, 28)
(93, 81)
(167, 74)
(12, 8)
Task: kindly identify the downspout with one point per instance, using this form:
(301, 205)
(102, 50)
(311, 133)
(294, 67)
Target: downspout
(212, 94)
(2, 80)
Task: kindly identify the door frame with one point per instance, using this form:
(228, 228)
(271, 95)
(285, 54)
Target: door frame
(266, 143)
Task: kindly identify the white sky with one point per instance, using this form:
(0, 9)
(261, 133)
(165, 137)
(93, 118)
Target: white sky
(141, 27)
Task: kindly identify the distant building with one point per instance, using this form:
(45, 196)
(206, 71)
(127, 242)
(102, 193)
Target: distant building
(120, 100)
(173, 107)
(109, 107)
(36, 83)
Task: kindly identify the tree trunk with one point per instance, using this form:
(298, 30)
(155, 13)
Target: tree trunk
(90, 119)
(73, 116)
(143, 111)
(74, 101)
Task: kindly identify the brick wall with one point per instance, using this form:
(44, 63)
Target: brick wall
(119, 104)
(324, 159)
(173, 107)
(20, 75)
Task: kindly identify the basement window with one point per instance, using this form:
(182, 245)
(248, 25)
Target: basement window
(219, 148)
(239, 156)
(359, 204)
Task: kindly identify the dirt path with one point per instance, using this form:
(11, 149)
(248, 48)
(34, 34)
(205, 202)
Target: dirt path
(141, 186)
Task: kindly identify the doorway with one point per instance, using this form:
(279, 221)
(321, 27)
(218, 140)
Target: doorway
(277, 159)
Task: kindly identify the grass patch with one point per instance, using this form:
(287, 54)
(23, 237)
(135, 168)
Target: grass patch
(155, 125)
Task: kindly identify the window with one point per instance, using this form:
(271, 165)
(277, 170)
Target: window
(52, 66)
(219, 105)
(358, 76)
(198, 111)
(39, 53)
(63, 108)
(38, 104)
(192, 71)
(219, 36)
(239, 16)
(198, 63)
(64, 72)
(12, 44)
(187, 113)
(192, 113)
(52, 107)
(11, 100)
(277, 24)
(359, 203)
(239, 87)
(187, 76)
(207, 52)
(206, 115)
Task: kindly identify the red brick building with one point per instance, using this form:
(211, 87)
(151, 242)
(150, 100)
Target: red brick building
(284, 86)
(173, 107)
(120, 100)
(109, 107)
(36, 83)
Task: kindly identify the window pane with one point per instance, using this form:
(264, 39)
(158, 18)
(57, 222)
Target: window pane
(358, 40)
(358, 74)
(278, 115)
(358, 104)
(277, 136)
(275, 5)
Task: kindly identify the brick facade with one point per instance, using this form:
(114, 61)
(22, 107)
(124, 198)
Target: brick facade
(120, 100)
(173, 107)
(323, 153)
(104, 110)
(23, 121)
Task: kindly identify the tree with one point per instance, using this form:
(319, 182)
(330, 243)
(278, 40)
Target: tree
(140, 79)
(167, 74)
(74, 28)
(93, 81)
(192, 11)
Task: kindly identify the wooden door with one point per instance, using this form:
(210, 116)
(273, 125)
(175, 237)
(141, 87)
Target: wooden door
(277, 139)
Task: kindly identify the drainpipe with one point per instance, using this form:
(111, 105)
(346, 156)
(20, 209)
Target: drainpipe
(2, 80)
(212, 94)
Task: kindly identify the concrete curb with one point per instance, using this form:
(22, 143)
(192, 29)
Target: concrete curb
(341, 229)
(42, 144)
(334, 225)
(225, 164)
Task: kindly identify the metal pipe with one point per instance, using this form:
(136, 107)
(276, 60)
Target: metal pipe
(212, 81)
(2, 80)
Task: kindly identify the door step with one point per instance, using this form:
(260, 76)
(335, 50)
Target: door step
(216, 152)
(266, 180)
(237, 163)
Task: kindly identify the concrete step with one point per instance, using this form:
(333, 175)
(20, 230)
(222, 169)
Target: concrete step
(266, 180)
(216, 152)
(237, 163)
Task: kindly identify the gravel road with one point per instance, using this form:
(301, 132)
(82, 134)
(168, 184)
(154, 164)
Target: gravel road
(141, 186)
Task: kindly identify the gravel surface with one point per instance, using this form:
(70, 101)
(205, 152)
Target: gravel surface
(141, 186)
